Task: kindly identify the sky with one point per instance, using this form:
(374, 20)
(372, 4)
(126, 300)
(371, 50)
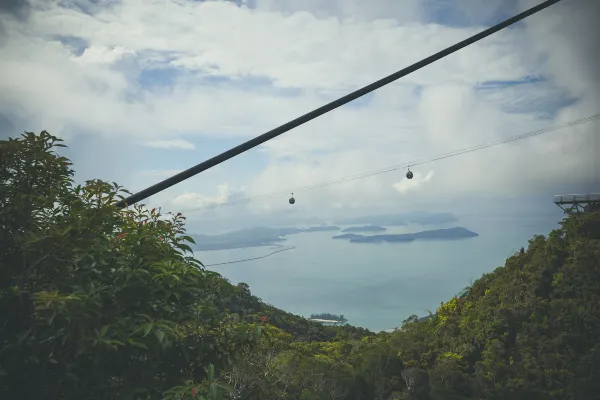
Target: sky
(143, 89)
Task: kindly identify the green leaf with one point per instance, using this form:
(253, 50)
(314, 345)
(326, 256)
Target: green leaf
(52, 317)
(103, 331)
(139, 345)
(149, 318)
(148, 328)
(227, 388)
(160, 335)
(184, 247)
(188, 239)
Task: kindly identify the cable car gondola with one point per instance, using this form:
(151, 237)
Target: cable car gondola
(409, 174)
(292, 200)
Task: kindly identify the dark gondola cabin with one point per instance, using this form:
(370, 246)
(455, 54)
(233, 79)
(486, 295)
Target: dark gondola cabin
(292, 200)
(409, 174)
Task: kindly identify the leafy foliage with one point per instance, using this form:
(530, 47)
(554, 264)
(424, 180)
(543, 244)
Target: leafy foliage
(525, 331)
(97, 302)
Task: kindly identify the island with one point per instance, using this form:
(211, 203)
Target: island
(437, 234)
(253, 237)
(262, 236)
(366, 228)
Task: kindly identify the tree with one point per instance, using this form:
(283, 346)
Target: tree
(97, 302)
(102, 303)
(258, 372)
(528, 330)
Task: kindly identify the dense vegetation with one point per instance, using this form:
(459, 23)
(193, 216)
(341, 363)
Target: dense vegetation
(101, 303)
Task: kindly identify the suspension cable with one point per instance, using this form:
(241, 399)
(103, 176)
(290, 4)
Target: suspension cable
(188, 173)
(392, 168)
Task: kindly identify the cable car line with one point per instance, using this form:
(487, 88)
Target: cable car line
(175, 179)
(443, 156)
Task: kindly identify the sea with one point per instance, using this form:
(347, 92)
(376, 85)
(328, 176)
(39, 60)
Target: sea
(377, 285)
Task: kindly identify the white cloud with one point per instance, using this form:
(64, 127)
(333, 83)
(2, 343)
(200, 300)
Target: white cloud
(171, 144)
(243, 71)
(99, 55)
(159, 173)
(416, 182)
(198, 201)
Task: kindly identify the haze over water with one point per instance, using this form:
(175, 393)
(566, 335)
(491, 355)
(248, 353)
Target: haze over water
(377, 286)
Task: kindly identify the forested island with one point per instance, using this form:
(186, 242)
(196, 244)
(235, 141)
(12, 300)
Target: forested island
(252, 237)
(255, 237)
(264, 236)
(97, 303)
(437, 234)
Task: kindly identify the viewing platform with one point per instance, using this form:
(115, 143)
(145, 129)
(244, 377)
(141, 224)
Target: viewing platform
(327, 322)
(578, 203)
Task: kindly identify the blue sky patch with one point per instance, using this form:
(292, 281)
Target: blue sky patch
(456, 13)
(543, 106)
(167, 77)
(89, 7)
(251, 161)
(500, 84)
(158, 77)
(76, 44)
(122, 160)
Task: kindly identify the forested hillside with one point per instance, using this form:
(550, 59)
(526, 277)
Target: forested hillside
(101, 303)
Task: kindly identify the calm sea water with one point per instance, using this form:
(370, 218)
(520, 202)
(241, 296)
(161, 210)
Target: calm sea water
(376, 286)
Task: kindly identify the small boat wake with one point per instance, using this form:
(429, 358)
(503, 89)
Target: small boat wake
(281, 248)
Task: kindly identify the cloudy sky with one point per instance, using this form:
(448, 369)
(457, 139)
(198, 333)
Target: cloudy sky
(142, 89)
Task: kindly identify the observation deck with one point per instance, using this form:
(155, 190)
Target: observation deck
(578, 203)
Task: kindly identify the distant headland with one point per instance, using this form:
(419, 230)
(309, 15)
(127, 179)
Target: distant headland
(253, 237)
(437, 234)
(262, 236)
